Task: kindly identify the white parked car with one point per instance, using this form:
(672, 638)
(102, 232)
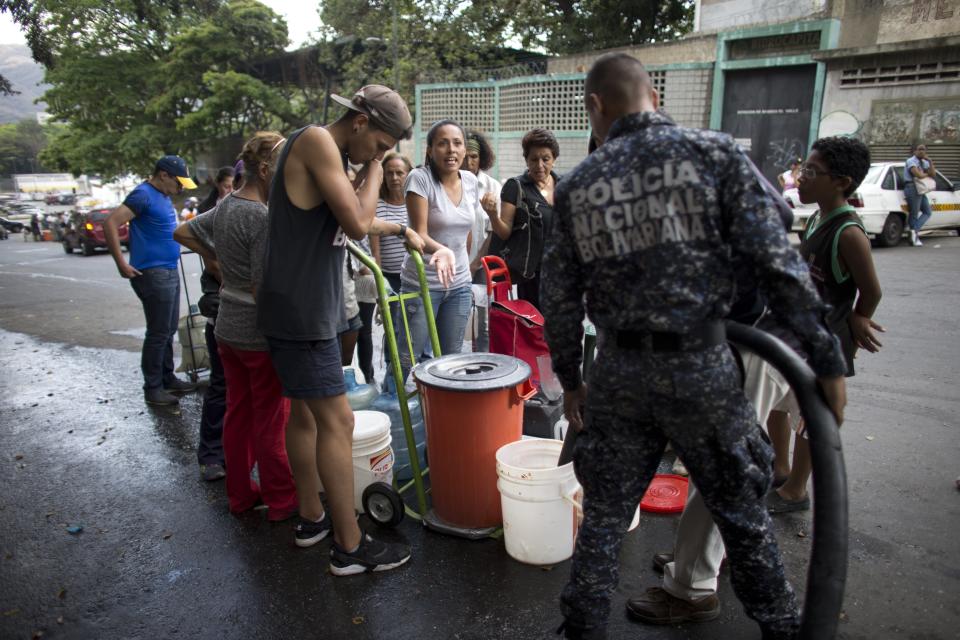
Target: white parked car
(883, 209)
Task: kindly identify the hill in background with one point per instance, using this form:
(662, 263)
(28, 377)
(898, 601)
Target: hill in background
(25, 76)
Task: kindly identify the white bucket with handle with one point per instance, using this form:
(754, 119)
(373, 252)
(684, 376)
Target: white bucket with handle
(540, 501)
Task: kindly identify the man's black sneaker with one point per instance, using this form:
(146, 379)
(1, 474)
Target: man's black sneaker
(371, 555)
(307, 533)
(160, 397)
(178, 386)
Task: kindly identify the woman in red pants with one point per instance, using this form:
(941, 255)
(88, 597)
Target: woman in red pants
(231, 237)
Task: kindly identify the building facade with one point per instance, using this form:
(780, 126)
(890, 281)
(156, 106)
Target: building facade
(776, 74)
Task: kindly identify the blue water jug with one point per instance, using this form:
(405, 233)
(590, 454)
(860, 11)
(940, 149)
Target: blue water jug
(360, 396)
(389, 403)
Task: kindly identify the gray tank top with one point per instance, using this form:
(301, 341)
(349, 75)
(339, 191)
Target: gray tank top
(301, 296)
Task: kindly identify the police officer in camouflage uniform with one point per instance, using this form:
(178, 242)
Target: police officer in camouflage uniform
(649, 228)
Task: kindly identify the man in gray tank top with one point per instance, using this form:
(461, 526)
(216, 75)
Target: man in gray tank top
(313, 209)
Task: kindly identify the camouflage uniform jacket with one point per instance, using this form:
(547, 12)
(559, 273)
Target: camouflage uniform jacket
(650, 227)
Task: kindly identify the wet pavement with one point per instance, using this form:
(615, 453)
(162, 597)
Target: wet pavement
(159, 555)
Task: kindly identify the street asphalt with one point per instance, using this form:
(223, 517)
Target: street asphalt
(159, 556)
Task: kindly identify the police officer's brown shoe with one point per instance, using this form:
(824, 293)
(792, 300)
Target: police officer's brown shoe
(656, 606)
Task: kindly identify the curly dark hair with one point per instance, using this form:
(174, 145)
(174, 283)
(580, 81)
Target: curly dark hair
(540, 138)
(487, 158)
(844, 157)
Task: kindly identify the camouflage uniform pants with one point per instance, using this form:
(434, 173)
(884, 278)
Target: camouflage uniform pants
(637, 402)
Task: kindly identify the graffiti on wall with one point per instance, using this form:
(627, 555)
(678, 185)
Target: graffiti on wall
(924, 9)
(892, 123)
(897, 122)
(780, 153)
(940, 125)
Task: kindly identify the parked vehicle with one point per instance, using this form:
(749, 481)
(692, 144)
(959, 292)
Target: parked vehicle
(882, 207)
(85, 231)
(12, 226)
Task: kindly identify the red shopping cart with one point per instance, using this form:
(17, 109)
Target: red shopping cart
(516, 326)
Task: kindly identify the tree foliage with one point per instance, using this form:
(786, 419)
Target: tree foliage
(133, 80)
(20, 146)
(572, 26)
(451, 35)
(430, 35)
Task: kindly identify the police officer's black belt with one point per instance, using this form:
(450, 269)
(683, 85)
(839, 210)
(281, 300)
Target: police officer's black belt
(703, 337)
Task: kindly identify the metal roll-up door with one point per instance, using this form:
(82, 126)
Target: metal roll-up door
(946, 157)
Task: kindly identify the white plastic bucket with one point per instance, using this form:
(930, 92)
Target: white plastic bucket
(372, 453)
(540, 501)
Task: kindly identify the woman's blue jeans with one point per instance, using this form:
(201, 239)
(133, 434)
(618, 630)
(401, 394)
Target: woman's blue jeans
(917, 204)
(451, 308)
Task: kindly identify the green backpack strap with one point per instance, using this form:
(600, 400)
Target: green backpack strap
(839, 275)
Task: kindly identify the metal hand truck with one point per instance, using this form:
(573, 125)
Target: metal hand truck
(384, 301)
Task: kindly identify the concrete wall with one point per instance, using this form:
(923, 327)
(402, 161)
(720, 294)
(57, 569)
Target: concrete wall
(722, 15)
(869, 22)
(848, 111)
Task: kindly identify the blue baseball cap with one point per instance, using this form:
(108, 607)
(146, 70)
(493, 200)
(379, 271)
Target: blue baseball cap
(177, 167)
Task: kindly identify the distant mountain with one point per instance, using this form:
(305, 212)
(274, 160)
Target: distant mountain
(25, 75)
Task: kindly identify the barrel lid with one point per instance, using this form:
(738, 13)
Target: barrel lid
(369, 425)
(472, 372)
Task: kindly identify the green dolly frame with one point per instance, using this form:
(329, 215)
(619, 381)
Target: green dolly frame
(383, 301)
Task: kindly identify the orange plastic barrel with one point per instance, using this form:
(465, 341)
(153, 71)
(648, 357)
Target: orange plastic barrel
(472, 405)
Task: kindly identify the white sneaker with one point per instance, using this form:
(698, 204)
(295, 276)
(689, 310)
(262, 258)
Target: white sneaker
(913, 237)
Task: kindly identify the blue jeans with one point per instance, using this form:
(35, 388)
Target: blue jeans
(917, 204)
(159, 292)
(451, 308)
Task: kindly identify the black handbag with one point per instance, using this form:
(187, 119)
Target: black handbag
(523, 250)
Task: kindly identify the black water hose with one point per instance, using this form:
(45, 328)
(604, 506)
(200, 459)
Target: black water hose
(827, 572)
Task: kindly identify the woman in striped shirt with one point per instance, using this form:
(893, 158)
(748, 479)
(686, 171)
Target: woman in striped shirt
(389, 251)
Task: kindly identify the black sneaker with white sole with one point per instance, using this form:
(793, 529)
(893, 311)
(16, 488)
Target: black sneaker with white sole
(371, 555)
(307, 533)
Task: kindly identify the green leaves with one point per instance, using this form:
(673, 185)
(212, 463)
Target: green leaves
(134, 80)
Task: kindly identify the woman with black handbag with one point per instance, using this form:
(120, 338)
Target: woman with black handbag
(526, 214)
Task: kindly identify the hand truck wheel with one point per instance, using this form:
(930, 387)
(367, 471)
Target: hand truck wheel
(382, 504)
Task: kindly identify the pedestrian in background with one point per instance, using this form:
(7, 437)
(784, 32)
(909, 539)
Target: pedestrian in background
(389, 251)
(919, 178)
(152, 271)
(478, 160)
(222, 186)
(189, 211)
(526, 214)
(788, 179)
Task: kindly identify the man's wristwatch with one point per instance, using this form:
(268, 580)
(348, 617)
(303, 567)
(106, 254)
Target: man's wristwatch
(403, 230)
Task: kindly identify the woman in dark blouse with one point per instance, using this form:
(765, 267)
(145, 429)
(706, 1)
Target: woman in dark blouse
(535, 186)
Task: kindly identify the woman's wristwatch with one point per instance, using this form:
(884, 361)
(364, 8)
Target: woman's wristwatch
(403, 230)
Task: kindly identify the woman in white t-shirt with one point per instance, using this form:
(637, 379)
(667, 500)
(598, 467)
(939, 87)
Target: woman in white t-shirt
(442, 202)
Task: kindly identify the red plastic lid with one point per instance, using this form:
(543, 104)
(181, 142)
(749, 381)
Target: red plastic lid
(667, 493)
